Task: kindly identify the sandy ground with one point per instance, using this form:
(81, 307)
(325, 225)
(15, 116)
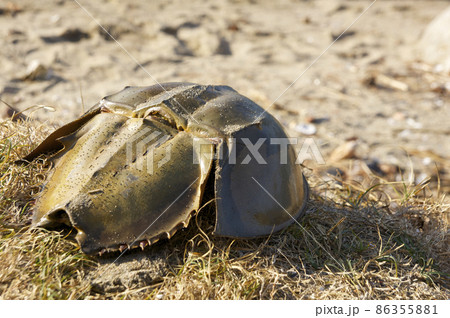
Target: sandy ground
(369, 87)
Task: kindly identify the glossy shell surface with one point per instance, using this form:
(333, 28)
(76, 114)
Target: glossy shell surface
(133, 169)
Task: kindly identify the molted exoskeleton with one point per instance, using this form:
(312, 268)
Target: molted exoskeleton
(134, 167)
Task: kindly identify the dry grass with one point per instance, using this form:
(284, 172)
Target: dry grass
(34, 264)
(352, 244)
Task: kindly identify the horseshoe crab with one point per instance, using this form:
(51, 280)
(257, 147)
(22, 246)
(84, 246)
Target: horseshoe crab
(133, 169)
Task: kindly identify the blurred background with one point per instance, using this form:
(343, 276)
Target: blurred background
(376, 101)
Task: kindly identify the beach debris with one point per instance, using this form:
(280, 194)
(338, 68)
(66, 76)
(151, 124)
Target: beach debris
(344, 151)
(306, 129)
(386, 82)
(36, 71)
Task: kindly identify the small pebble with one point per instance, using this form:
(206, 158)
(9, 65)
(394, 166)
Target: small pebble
(439, 68)
(36, 71)
(413, 123)
(159, 296)
(421, 177)
(388, 169)
(55, 18)
(438, 102)
(306, 129)
(426, 161)
(399, 116)
(405, 133)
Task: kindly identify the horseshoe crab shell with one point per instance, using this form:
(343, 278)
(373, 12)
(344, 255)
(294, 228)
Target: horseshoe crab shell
(134, 168)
